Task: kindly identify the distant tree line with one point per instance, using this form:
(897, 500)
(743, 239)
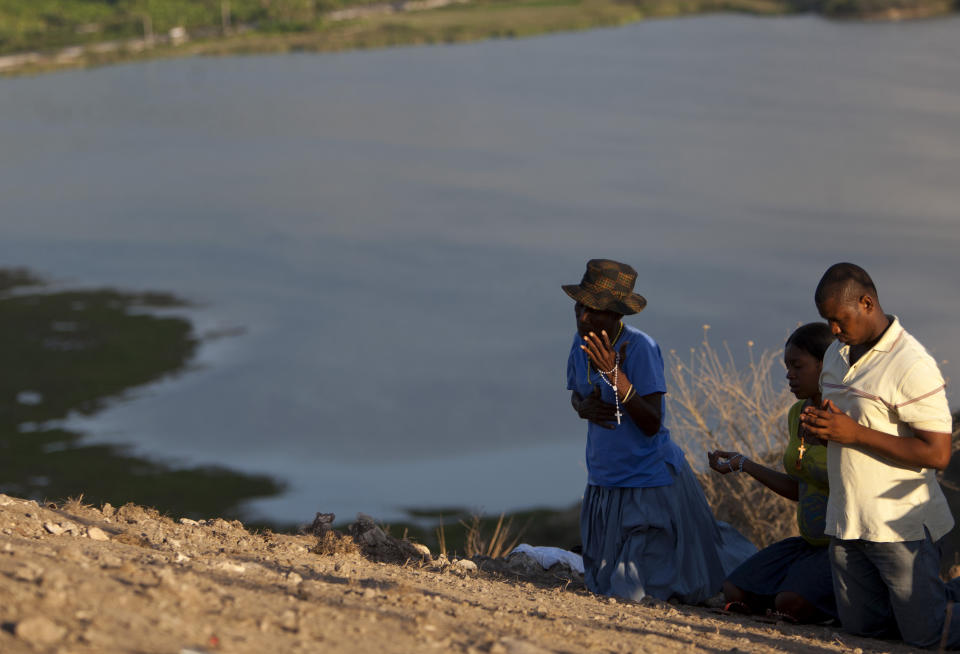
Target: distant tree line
(33, 24)
(42, 24)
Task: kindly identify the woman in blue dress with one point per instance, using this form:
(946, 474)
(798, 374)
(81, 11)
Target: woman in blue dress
(791, 577)
(645, 524)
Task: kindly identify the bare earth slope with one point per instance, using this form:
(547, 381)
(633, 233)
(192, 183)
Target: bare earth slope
(78, 579)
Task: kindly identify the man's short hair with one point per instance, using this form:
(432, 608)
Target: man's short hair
(846, 281)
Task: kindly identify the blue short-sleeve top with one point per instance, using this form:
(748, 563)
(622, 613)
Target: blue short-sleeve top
(625, 456)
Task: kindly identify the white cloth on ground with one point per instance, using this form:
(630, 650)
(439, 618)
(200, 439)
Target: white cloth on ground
(550, 556)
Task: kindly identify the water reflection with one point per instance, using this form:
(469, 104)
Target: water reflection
(68, 352)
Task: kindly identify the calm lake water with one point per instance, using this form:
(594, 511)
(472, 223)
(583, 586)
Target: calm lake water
(385, 233)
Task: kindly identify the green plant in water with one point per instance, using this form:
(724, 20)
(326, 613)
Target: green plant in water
(72, 352)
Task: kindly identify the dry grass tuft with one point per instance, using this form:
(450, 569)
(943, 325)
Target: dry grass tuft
(441, 539)
(501, 541)
(713, 404)
(75, 504)
(333, 542)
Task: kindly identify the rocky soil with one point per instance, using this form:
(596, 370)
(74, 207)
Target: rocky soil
(74, 578)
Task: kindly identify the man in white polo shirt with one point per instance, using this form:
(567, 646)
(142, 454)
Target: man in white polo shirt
(886, 417)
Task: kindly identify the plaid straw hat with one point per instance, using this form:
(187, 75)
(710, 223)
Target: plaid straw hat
(607, 286)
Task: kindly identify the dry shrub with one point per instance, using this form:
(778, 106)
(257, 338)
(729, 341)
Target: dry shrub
(441, 539)
(714, 405)
(75, 504)
(333, 543)
(501, 541)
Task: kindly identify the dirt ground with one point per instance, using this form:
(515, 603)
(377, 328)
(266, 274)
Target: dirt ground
(74, 579)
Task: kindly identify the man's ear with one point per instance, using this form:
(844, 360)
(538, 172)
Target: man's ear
(867, 305)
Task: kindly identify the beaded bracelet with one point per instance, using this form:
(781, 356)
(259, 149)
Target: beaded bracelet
(730, 463)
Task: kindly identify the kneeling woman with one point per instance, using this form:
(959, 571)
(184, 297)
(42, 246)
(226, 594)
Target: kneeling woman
(645, 524)
(791, 577)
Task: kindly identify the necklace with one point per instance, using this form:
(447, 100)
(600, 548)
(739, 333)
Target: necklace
(801, 432)
(801, 448)
(615, 372)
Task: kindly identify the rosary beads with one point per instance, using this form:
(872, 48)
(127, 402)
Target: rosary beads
(613, 371)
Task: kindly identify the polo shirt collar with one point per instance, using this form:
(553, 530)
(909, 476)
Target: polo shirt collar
(890, 337)
(886, 343)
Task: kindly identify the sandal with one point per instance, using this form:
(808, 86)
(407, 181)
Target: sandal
(737, 607)
(780, 616)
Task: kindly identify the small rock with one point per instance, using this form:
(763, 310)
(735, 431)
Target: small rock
(423, 549)
(311, 590)
(465, 565)
(54, 529)
(28, 572)
(7, 547)
(55, 599)
(167, 576)
(523, 563)
(230, 567)
(611, 600)
(70, 528)
(181, 558)
(39, 630)
(322, 523)
(366, 532)
(96, 533)
(289, 621)
(107, 510)
(5, 500)
(134, 576)
(75, 554)
(188, 521)
(110, 561)
(172, 542)
(294, 579)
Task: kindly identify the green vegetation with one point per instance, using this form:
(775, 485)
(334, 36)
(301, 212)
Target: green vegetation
(71, 352)
(120, 30)
(39, 24)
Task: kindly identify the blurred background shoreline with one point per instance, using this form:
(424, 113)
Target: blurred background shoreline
(46, 35)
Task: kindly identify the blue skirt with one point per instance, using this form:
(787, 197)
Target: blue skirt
(661, 541)
(791, 565)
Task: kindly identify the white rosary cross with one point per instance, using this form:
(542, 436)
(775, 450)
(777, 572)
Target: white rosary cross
(603, 376)
(618, 414)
